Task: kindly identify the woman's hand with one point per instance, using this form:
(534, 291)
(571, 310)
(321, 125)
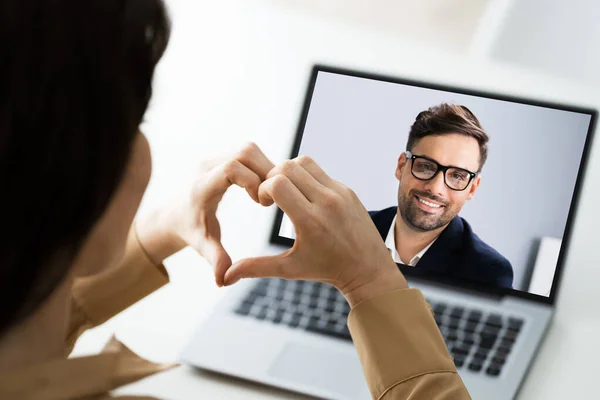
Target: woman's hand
(190, 219)
(336, 240)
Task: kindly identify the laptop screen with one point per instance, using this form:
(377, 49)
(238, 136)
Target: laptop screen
(463, 187)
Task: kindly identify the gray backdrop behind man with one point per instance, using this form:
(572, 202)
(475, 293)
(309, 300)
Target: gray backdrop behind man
(356, 129)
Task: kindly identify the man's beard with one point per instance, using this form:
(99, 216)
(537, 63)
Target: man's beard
(420, 220)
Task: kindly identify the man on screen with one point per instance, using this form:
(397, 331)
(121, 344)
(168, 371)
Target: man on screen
(439, 172)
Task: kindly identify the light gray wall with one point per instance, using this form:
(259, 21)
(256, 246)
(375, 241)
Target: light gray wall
(559, 37)
(357, 128)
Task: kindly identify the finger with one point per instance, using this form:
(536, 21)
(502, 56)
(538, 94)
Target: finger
(214, 252)
(312, 168)
(301, 178)
(221, 263)
(260, 267)
(286, 195)
(253, 157)
(234, 172)
(315, 170)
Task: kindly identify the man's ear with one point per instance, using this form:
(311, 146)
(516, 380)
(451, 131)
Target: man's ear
(474, 185)
(402, 161)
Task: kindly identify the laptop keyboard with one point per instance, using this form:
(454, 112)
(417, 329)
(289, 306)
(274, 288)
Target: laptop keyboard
(477, 340)
(313, 306)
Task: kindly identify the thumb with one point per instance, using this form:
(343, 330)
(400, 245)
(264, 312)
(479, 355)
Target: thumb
(259, 267)
(214, 252)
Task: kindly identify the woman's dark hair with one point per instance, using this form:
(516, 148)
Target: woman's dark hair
(75, 82)
(449, 118)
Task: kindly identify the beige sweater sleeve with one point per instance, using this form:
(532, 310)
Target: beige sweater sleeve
(100, 297)
(402, 350)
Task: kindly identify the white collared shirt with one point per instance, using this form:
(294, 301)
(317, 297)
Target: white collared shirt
(390, 243)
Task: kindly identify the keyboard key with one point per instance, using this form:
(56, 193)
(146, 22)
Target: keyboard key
(305, 299)
(329, 330)
(503, 350)
(439, 320)
(459, 361)
(499, 360)
(287, 318)
(487, 341)
(343, 330)
(481, 356)
(515, 324)
(475, 316)
(260, 291)
(494, 320)
(493, 370)
(461, 350)
(251, 297)
(255, 310)
(270, 314)
(282, 306)
(469, 339)
(489, 331)
(294, 323)
(262, 313)
(289, 296)
(470, 327)
(511, 335)
(243, 309)
(342, 308)
(451, 336)
(475, 366)
(454, 323)
(263, 282)
(439, 308)
(457, 312)
(278, 317)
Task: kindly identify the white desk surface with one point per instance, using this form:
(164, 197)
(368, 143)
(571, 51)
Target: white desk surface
(237, 71)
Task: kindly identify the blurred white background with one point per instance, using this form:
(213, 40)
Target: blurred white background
(236, 70)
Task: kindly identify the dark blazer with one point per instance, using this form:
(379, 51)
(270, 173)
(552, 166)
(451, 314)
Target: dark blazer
(457, 254)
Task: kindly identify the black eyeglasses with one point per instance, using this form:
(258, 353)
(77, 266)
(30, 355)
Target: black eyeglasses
(426, 169)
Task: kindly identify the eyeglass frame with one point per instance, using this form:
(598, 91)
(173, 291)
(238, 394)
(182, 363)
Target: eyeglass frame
(440, 167)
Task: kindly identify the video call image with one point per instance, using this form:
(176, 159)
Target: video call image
(460, 187)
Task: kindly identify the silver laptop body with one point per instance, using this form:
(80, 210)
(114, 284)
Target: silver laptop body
(293, 335)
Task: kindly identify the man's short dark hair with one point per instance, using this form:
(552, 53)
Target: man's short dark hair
(76, 81)
(445, 119)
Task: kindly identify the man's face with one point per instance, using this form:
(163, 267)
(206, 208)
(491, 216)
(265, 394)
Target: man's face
(430, 205)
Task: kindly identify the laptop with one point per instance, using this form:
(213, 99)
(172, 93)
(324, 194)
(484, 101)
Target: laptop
(293, 334)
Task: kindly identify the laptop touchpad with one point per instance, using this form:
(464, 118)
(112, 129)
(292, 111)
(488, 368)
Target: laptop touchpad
(330, 370)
